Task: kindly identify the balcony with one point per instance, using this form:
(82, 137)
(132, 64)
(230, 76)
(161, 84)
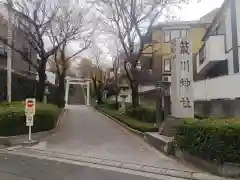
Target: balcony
(223, 87)
(211, 53)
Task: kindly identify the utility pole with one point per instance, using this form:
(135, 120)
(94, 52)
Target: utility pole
(9, 53)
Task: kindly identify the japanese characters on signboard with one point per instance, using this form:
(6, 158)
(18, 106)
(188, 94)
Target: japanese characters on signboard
(29, 120)
(182, 78)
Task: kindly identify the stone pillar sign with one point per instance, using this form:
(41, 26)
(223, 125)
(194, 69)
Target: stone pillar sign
(182, 79)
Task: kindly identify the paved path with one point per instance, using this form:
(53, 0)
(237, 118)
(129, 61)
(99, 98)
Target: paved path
(86, 136)
(84, 131)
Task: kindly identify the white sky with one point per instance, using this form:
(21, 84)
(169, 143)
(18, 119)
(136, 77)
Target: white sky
(196, 10)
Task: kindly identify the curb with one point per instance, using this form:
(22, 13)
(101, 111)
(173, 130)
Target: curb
(61, 157)
(134, 131)
(19, 139)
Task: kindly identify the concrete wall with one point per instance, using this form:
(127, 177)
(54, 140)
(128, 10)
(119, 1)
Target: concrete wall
(218, 108)
(223, 87)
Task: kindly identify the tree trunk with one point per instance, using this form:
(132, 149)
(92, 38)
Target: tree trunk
(42, 78)
(97, 90)
(99, 93)
(95, 86)
(135, 95)
(41, 85)
(116, 100)
(61, 90)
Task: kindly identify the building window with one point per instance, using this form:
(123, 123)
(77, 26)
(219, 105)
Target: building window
(202, 54)
(147, 39)
(175, 34)
(167, 65)
(150, 63)
(183, 33)
(170, 35)
(167, 36)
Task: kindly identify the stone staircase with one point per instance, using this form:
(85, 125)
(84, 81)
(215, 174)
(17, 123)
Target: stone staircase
(76, 95)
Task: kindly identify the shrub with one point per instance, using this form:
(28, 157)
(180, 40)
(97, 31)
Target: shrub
(211, 139)
(142, 114)
(131, 122)
(13, 121)
(110, 104)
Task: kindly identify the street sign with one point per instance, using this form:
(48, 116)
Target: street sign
(29, 121)
(30, 106)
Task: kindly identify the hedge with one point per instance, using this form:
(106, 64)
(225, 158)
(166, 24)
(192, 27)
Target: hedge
(131, 122)
(211, 139)
(13, 121)
(142, 114)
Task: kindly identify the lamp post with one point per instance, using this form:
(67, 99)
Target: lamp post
(9, 54)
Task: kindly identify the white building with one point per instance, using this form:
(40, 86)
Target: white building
(217, 89)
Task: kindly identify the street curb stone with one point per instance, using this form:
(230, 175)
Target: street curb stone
(117, 164)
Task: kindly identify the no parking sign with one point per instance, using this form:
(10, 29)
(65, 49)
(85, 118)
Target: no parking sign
(30, 105)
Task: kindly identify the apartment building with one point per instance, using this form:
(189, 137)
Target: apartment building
(159, 54)
(217, 91)
(19, 42)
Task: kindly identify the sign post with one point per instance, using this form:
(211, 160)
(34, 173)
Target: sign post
(30, 105)
(182, 79)
(29, 113)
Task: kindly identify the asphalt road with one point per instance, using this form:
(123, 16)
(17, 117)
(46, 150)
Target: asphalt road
(16, 167)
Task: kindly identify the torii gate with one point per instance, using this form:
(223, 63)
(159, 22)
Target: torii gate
(79, 81)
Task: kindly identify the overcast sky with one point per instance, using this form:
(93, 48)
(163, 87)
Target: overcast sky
(196, 10)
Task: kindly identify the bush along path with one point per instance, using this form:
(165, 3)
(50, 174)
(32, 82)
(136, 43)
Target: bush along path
(216, 141)
(13, 121)
(131, 119)
(212, 140)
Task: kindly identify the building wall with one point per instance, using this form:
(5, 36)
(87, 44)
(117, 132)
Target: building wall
(222, 94)
(237, 5)
(20, 42)
(162, 50)
(218, 108)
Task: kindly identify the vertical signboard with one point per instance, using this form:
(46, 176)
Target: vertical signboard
(182, 79)
(29, 113)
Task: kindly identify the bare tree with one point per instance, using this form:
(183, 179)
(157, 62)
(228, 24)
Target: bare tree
(84, 68)
(116, 79)
(96, 74)
(35, 19)
(114, 52)
(132, 21)
(72, 21)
